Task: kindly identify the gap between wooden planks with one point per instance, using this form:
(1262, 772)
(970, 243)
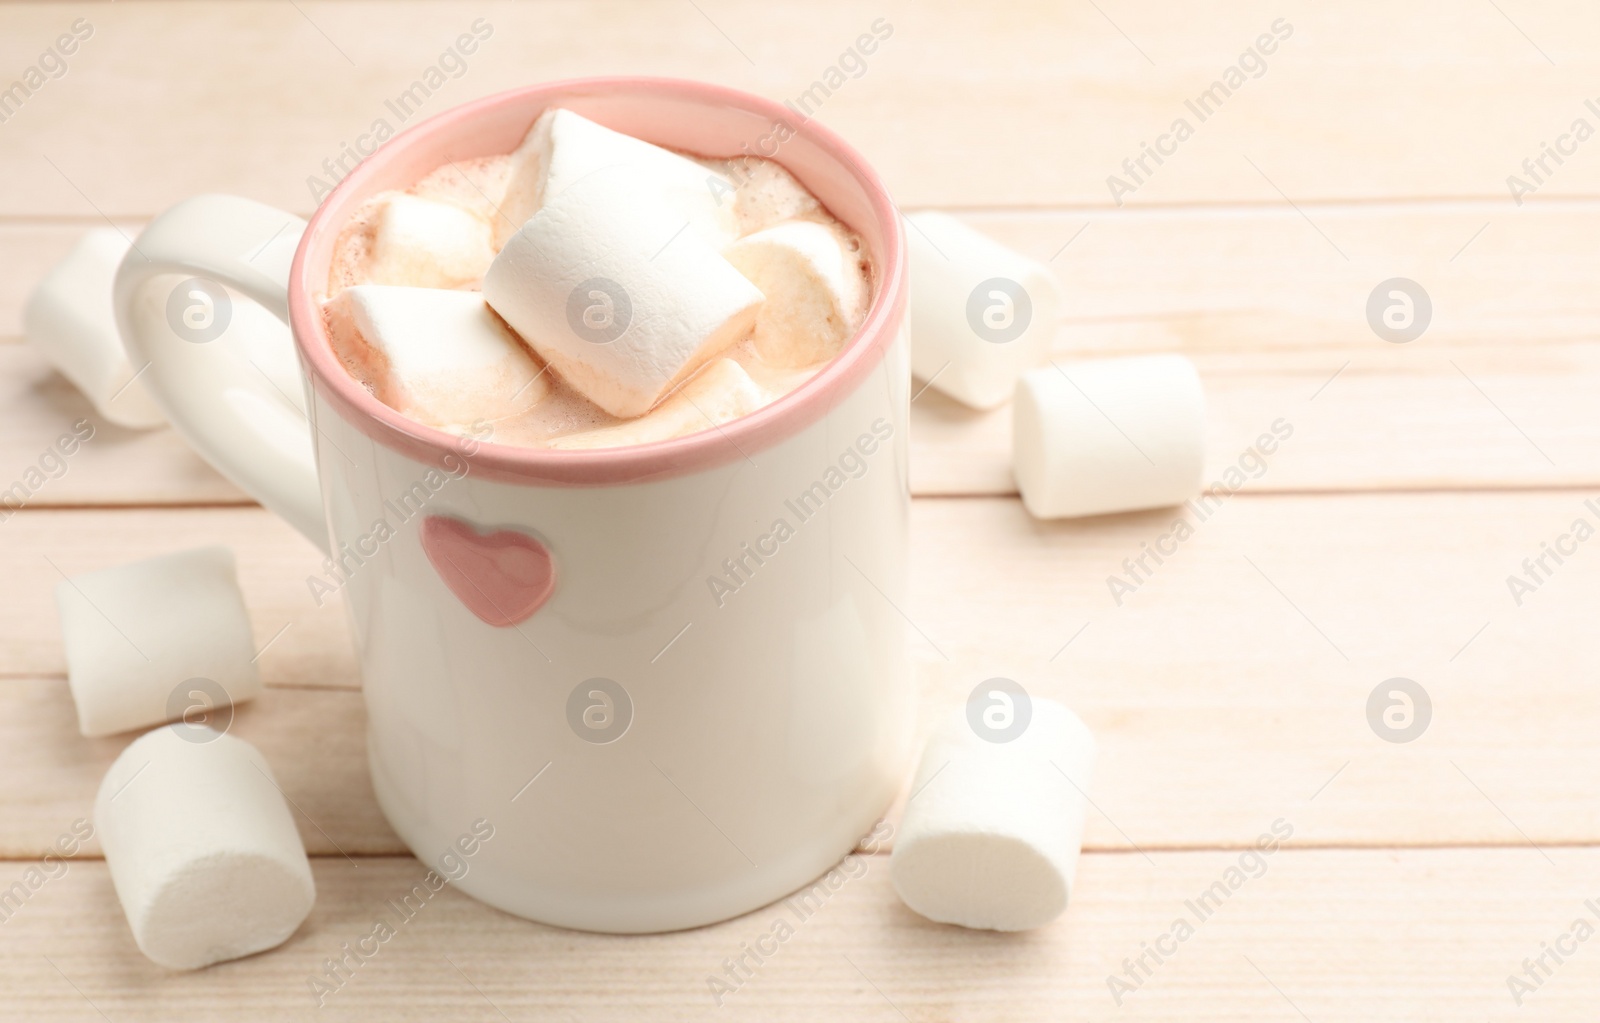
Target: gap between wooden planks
(1375, 935)
(1230, 686)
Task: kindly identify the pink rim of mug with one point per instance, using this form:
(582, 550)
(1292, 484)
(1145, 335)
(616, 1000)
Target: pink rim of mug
(737, 440)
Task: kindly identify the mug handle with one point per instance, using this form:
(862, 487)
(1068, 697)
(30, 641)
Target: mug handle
(248, 426)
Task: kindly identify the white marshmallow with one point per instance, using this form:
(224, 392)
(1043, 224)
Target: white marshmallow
(981, 314)
(816, 290)
(201, 847)
(69, 320)
(719, 393)
(422, 243)
(443, 357)
(615, 293)
(143, 638)
(1109, 435)
(564, 148)
(991, 834)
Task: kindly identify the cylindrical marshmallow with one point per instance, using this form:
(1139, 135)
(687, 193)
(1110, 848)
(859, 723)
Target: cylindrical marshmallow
(439, 356)
(992, 830)
(156, 640)
(563, 148)
(816, 290)
(69, 320)
(1109, 435)
(424, 243)
(202, 849)
(981, 314)
(721, 392)
(616, 293)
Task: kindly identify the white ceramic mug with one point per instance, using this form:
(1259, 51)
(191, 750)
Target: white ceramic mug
(672, 677)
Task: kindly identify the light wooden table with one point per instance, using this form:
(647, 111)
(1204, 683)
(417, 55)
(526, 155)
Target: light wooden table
(1229, 692)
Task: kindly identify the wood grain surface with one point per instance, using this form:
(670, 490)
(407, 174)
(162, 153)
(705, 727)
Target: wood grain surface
(1228, 685)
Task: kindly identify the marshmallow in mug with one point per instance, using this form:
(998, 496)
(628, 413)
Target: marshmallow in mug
(425, 243)
(1108, 435)
(564, 148)
(981, 314)
(991, 834)
(202, 849)
(719, 393)
(68, 320)
(815, 287)
(443, 358)
(145, 639)
(617, 294)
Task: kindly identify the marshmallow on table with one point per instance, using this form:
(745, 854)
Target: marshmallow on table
(981, 314)
(1108, 435)
(143, 640)
(428, 244)
(443, 357)
(815, 287)
(564, 148)
(991, 835)
(201, 847)
(612, 290)
(69, 319)
(719, 393)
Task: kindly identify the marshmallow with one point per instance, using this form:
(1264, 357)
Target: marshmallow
(564, 148)
(616, 294)
(1110, 435)
(143, 639)
(422, 243)
(816, 290)
(991, 833)
(70, 321)
(981, 314)
(202, 849)
(719, 393)
(444, 358)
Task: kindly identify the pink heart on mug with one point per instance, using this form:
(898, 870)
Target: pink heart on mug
(502, 577)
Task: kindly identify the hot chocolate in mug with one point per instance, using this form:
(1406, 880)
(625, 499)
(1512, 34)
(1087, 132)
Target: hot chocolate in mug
(672, 677)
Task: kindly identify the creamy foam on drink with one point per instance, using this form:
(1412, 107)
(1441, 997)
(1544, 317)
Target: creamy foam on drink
(750, 297)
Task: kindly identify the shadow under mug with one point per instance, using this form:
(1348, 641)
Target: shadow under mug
(709, 703)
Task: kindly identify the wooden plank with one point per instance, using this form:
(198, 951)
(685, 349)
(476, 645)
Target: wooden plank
(1363, 417)
(314, 740)
(1221, 278)
(112, 466)
(1217, 701)
(1259, 638)
(1373, 935)
(1215, 279)
(1038, 103)
(274, 562)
